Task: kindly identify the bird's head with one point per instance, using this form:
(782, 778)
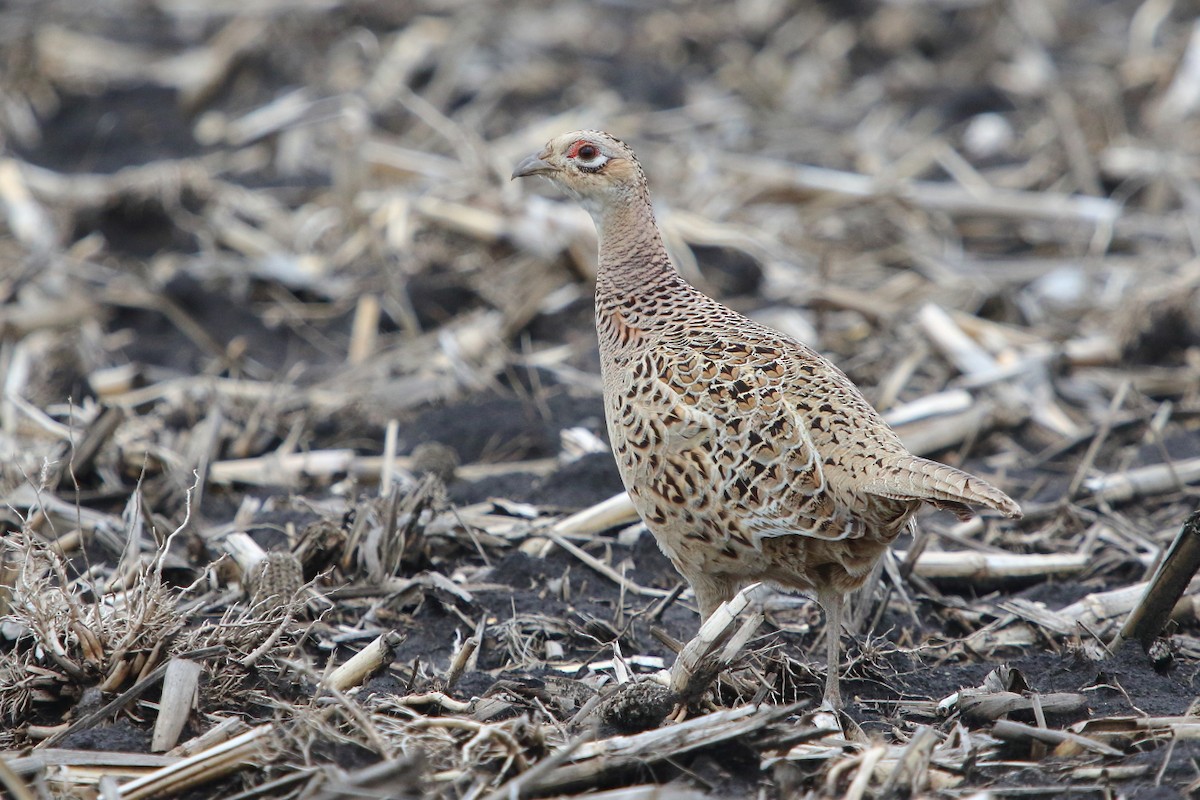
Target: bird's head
(598, 169)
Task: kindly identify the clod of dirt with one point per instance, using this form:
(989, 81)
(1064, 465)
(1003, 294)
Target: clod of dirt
(121, 737)
(730, 272)
(435, 458)
(1161, 331)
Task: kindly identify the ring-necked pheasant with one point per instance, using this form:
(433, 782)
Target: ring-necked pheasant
(749, 456)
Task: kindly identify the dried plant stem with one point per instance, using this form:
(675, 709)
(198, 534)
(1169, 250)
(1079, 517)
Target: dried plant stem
(1170, 581)
(17, 788)
(365, 663)
(203, 767)
(178, 698)
(1012, 731)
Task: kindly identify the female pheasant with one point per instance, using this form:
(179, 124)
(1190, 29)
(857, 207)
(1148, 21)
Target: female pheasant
(749, 456)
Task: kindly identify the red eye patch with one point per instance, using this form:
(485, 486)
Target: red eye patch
(583, 149)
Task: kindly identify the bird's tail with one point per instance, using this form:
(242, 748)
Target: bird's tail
(915, 478)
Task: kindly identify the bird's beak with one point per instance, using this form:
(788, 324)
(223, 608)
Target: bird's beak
(532, 165)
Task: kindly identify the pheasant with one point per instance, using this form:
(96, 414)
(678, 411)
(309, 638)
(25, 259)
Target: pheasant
(748, 455)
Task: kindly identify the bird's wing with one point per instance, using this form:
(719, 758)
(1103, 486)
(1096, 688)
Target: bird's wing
(708, 428)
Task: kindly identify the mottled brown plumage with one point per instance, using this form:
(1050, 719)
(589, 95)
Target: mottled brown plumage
(749, 456)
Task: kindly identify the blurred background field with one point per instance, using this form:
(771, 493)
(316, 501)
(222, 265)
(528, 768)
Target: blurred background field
(262, 271)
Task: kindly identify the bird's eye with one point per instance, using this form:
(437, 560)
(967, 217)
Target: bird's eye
(588, 156)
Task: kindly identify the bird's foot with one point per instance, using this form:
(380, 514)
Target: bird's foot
(678, 714)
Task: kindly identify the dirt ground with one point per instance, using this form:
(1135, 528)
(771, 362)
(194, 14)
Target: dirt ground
(265, 282)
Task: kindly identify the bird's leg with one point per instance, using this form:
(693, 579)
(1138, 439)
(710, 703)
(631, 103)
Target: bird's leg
(710, 593)
(833, 602)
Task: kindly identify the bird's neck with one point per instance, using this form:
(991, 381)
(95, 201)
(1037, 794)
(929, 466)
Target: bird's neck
(633, 258)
